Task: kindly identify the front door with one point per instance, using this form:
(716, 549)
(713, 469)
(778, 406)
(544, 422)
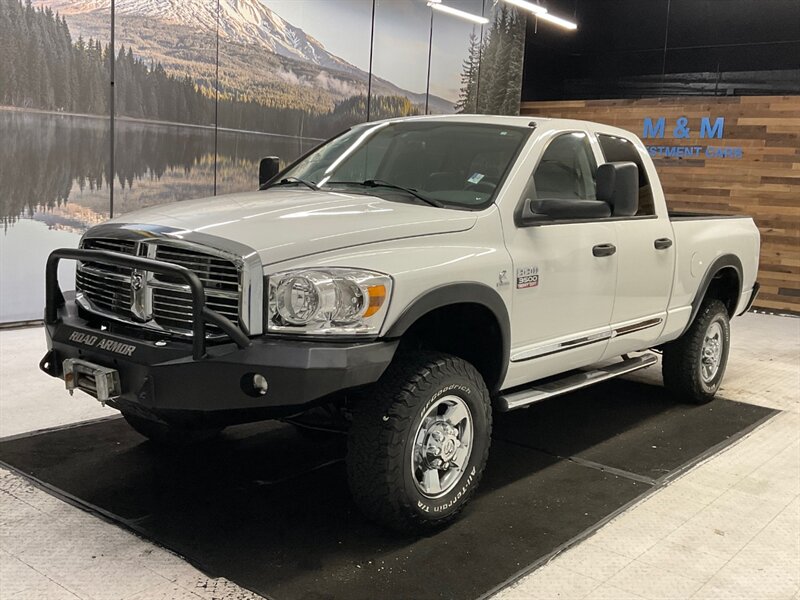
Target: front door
(564, 272)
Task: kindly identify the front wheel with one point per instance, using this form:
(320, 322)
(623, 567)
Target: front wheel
(419, 442)
(694, 364)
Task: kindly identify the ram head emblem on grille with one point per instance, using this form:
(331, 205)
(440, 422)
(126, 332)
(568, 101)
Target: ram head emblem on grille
(141, 298)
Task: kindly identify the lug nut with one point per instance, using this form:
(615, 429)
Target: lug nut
(260, 384)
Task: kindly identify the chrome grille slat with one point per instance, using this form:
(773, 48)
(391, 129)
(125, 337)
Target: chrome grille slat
(106, 292)
(108, 288)
(192, 262)
(108, 279)
(103, 303)
(165, 286)
(105, 287)
(205, 280)
(161, 309)
(182, 295)
(230, 309)
(123, 246)
(218, 307)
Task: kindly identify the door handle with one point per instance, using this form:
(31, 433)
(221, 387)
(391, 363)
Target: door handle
(604, 249)
(662, 243)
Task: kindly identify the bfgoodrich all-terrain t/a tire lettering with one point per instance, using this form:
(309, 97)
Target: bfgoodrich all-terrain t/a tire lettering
(694, 364)
(429, 407)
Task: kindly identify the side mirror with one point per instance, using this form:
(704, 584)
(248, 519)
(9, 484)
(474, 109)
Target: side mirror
(267, 169)
(618, 185)
(534, 211)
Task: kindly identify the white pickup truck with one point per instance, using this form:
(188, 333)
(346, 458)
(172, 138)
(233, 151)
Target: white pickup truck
(403, 281)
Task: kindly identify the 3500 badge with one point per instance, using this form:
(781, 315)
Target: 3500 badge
(527, 277)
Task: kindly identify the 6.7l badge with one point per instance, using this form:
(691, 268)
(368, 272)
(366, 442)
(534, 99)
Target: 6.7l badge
(527, 277)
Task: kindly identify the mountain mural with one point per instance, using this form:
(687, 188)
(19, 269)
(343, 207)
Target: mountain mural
(263, 57)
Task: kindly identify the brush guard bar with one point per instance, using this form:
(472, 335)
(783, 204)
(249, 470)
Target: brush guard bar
(201, 313)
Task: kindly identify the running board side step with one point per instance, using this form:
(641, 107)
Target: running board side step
(528, 396)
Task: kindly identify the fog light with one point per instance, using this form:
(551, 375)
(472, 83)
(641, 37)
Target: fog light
(260, 384)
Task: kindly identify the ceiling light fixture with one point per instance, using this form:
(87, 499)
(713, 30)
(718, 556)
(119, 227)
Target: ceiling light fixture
(534, 8)
(437, 5)
(541, 13)
(557, 21)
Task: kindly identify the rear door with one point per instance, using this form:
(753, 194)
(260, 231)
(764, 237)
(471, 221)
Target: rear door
(645, 257)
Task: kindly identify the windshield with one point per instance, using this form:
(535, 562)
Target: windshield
(452, 164)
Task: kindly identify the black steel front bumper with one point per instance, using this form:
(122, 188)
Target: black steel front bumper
(183, 381)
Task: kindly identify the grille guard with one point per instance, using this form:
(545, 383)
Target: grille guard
(201, 314)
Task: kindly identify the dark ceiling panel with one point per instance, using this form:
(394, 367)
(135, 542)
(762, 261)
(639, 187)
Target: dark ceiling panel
(618, 49)
(761, 57)
(613, 25)
(732, 22)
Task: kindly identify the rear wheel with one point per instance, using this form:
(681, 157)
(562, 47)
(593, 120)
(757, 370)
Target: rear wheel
(694, 364)
(419, 442)
(165, 434)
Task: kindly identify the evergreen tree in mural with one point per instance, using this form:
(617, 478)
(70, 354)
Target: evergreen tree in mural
(468, 95)
(491, 83)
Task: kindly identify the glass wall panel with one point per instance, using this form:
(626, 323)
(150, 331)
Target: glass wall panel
(54, 159)
(299, 76)
(455, 58)
(400, 60)
(165, 80)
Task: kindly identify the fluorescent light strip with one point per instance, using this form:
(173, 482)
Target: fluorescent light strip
(556, 20)
(534, 8)
(457, 13)
(542, 13)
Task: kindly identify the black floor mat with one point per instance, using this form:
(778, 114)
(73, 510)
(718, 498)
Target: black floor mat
(270, 510)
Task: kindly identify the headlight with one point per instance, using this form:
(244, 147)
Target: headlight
(328, 301)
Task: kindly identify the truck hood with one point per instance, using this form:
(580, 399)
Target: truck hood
(283, 224)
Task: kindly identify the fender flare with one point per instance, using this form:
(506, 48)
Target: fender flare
(459, 293)
(721, 262)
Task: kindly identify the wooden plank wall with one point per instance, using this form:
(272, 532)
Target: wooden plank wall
(764, 183)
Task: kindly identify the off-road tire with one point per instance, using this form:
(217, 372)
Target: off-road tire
(682, 359)
(380, 442)
(163, 434)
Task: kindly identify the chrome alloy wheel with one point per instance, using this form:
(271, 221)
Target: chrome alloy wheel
(442, 446)
(711, 353)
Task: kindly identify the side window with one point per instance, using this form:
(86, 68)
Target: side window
(616, 149)
(567, 169)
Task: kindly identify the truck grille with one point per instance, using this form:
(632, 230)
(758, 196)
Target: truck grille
(166, 300)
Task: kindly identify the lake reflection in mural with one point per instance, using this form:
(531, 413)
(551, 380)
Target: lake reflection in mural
(54, 183)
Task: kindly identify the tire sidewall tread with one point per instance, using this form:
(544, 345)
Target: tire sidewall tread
(681, 358)
(385, 419)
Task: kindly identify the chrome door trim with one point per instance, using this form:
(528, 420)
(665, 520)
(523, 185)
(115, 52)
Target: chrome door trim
(638, 326)
(553, 348)
(549, 348)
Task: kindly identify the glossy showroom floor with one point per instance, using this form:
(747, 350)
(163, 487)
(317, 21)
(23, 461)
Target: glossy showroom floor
(729, 528)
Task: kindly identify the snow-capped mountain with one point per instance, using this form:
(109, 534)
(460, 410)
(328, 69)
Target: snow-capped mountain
(242, 21)
(265, 55)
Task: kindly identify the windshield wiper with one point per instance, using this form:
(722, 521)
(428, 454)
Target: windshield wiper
(290, 180)
(381, 183)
